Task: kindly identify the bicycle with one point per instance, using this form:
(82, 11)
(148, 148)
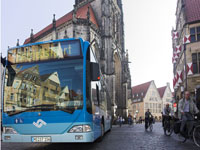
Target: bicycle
(168, 125)
(195, 136)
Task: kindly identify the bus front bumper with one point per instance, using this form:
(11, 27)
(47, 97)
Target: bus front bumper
(54, 138)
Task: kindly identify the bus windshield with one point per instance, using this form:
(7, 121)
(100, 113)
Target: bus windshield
(44, 86)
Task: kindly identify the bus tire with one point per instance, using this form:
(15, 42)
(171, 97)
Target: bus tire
(102, 132)
(110, 126)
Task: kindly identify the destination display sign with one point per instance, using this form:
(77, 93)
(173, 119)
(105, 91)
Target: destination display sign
(44, 51)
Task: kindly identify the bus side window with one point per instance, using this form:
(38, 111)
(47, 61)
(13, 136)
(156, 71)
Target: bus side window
(88, 88)
(97, 92)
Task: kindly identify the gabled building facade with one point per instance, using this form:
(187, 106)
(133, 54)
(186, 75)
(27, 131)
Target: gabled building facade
(166, 96)
(146, 96)
(101, 23)
(186, 47)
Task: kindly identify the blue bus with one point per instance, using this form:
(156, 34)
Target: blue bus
(54, 92)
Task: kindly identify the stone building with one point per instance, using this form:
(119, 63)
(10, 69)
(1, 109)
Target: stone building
(146, 96)
(186, 47)
(101, 23)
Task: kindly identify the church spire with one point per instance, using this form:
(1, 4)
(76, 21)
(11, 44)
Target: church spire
(31, 36)
(54, 21)
(17, 42)
(79, 3)
(88, 14)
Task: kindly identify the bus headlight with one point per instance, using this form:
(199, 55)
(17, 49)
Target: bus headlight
(9, 130)
(80, 128)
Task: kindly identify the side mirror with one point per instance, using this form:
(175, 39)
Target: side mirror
(11, 76)
(95, 74)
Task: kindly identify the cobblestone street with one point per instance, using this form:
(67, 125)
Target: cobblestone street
(124, 138)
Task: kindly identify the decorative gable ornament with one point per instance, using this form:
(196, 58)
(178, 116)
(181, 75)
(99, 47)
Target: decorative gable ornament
(179, 77)
(189, 69)
(176, 81)
(175, 35)
(178, 49)
(173, 60)
(186, 39)
(175, 55)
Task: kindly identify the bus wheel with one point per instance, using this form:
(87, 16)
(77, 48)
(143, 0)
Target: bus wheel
(102, 133)
(102, 129)
(110, 126)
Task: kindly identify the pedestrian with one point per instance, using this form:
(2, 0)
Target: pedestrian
(148, 118)
(120, 120)
(130, 119)
(140, 120)
(134, 119)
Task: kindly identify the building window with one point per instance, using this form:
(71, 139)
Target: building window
(168, 94)
(198, 33)
(134, 107)
(151, 105)
(146, 105)
(11, 96)
(16, 84)
(137, 106)
(22, 86)
(196, 62)
(195, 34)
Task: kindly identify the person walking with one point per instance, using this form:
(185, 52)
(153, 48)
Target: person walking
(148, 117)
(120, 120)
(130, 119)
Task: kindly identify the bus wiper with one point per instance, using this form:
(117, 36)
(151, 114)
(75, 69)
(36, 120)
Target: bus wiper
(46, 107)
(68, 110)
(33, 108)
(12, 113)
(43, 107)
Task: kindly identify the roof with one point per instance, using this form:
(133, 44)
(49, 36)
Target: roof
(192, 10)
(142, 88)
(45, 76)
(161, 91)
(81, 13)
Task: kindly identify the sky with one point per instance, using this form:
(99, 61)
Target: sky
(147, 25)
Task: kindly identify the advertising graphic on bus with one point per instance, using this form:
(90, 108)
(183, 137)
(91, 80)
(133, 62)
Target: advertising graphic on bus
(54, 92)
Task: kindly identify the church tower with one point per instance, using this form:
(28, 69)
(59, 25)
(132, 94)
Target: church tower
(111, 51)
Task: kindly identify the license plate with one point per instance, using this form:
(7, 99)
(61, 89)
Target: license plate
(41, 139)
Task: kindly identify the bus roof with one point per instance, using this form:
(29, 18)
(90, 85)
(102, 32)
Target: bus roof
(44, 42)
